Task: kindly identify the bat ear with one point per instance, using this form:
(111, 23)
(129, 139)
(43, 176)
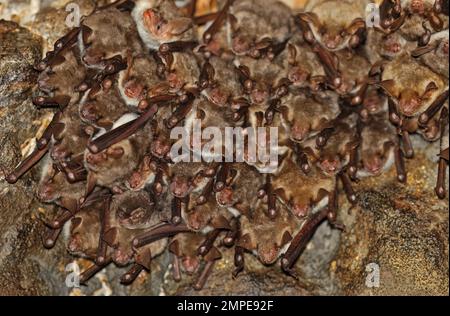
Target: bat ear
(388, 86)
(180, 25)
(246, 242)
(287, 237)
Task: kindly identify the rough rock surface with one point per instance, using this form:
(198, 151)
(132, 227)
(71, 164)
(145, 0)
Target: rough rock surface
(402, 229)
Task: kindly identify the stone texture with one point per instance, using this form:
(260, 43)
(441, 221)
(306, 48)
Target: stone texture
(19, 229)
(312, 269)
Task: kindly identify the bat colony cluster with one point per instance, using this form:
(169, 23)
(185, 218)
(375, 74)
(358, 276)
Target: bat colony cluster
(345, 96)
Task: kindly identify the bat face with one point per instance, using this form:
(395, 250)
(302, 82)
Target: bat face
(85, 231)
(62, 76)
(71, 135)
(267, 239)
(304, 115)
(221, 93)
(103, 108)
(241, 195)
(114, 164)
(160, 22)
(337, 30)
(99, 44)
(188, 177)
(251, 24)
(333, 156)
(343, 97)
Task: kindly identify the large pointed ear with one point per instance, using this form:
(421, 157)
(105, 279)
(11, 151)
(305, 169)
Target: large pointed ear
(213, 254)
(284, 110)
(243, 209)
(246, 242)
(180, 25)
(388, 86)
(356, 25)
(174, 248)
(312, 155)
(388, 146)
